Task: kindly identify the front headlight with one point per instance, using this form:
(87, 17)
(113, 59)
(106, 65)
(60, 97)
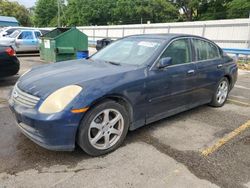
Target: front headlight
(58, 100)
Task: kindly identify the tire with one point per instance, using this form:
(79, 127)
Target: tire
(219, 100)
(103, 128)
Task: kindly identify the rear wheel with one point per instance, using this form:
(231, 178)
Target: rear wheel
(103, 128)
(221, 94)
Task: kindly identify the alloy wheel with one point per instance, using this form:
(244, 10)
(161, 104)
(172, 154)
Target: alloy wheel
(222, 92)
(106, 129)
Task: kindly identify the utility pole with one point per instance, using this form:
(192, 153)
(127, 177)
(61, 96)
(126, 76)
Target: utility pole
(141, 12)
(58, 14)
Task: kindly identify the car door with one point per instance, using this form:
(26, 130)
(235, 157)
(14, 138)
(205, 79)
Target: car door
(172, 89)
(209, 68)
(37, 36)
(26, 41)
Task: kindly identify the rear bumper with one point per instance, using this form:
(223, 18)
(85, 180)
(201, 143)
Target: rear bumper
(53, 132)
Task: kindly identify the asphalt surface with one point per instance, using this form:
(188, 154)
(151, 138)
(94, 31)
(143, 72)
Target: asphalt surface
(163, 154)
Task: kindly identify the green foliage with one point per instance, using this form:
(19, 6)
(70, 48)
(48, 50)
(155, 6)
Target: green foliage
(108, 12)
(15, 10)
(238, 9)
(188, 8)
(213, 10)
(89, 12)
(45, 13)
(135, 11)
(103, 12)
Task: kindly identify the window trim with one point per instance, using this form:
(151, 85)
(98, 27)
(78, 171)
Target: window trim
(210, 42)
(173, 40)
(37, 32)
(189, 49)
(193, 51)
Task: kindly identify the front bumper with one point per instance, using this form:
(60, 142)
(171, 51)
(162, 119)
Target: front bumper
(54, 132)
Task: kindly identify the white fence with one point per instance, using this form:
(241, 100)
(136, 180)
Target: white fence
(226, 33)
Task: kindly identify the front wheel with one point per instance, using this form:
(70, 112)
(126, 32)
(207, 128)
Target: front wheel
(103, 128)
(221, 94)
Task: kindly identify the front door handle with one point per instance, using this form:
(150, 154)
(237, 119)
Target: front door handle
(219, 66)
(191, 72)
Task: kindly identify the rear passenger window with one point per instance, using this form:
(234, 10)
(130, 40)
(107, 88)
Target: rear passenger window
(37, 34)
(179, 51)
(205, 50)
(9, 31)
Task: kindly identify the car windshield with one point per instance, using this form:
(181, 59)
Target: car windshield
(133, 51)
(14, 34)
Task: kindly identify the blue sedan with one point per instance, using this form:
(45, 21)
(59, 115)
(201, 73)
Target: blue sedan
(132, 82)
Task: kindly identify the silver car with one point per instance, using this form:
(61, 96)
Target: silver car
(22, 40)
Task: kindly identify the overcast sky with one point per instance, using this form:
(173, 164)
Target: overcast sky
(26, 3)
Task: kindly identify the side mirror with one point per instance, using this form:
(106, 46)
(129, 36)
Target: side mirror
(4, 33)
(165, 62)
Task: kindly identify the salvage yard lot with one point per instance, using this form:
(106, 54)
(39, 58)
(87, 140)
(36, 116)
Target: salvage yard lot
(167, 153)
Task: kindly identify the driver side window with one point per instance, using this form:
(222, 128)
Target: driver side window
(26, 35)
(179, 51)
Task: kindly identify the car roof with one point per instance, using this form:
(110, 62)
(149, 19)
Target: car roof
(27, 30)
(167, 36)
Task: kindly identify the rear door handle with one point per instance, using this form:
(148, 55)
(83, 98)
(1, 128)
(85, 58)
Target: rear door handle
(219, 66)
(191, 72)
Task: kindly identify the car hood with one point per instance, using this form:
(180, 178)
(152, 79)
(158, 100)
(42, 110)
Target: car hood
(44, 80)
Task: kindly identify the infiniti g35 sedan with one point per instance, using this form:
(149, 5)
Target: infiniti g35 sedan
(130, 83)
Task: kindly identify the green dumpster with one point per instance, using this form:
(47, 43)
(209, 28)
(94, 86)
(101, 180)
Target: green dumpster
(62, 44)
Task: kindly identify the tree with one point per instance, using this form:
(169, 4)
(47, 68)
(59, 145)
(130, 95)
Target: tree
(238, 9)
(188, 8)
(45, 14)
(16, 10)
(89, 12)
(162, 11)
(137, 11)
(213, 10)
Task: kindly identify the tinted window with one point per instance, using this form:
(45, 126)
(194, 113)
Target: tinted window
(26, 35)
(37, 34)
(44, 31)
(205, 50)
(9, 31)
(179, 51)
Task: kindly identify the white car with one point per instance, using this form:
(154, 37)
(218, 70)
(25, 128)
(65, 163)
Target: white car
(22, 40)
(9, 30)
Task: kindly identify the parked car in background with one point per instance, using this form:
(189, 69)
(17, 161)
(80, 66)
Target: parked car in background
(102, 43)
(9, 30)
(132, 82)
(44, 31)
(9, 64)
(22, 40)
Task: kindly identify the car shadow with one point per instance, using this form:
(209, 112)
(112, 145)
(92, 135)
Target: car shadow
(9, 81)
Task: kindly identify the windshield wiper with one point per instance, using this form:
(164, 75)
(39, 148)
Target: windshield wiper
(113, 63)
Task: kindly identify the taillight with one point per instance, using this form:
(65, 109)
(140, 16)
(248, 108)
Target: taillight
(10, 51)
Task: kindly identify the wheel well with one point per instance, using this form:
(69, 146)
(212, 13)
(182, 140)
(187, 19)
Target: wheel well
(121, 100)
(229, 79)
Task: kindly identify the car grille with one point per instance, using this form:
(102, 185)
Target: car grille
(24, 99)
